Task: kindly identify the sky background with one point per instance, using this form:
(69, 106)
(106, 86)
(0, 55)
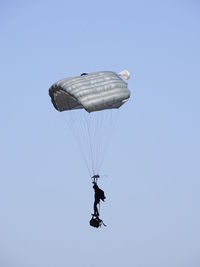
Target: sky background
(151, 174)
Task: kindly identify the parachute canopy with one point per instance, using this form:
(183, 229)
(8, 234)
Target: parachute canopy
(93, 92)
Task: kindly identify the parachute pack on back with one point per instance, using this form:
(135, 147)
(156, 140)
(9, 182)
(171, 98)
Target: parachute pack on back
(101, 194)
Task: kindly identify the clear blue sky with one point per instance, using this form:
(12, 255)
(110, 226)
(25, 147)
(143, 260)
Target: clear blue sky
(152, 171)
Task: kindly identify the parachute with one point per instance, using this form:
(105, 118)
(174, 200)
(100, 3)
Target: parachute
(88, 102)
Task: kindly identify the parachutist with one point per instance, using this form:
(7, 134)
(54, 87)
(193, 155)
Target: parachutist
(87, 94)
(98, 195)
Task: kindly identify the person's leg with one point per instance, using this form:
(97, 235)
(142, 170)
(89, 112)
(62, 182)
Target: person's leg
(96, 212)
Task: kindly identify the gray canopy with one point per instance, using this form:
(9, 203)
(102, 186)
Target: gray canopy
(92, 92)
